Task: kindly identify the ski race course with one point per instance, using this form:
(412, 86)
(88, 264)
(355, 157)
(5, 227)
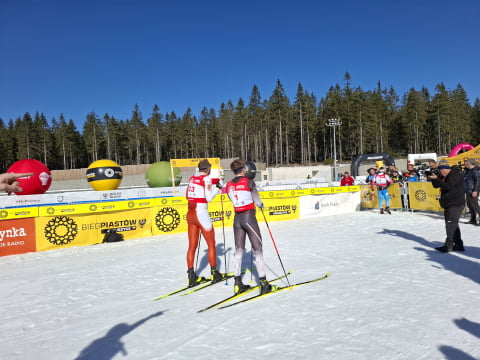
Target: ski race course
(389, 295)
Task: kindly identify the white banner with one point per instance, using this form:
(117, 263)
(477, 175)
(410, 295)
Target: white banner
(332, 204)
(76, 197)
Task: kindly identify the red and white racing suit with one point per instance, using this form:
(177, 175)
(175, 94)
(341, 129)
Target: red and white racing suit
(200, 192)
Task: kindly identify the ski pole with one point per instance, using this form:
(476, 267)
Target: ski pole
(224, 246)
(275, 245)
(198, 249)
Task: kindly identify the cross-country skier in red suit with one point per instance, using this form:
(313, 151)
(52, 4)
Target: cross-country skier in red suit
(200, 192)
(244, 196)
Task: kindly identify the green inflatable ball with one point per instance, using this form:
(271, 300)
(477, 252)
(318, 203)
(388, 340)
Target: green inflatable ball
(159, 174)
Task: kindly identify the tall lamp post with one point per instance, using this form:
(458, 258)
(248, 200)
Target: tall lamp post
(334, 123)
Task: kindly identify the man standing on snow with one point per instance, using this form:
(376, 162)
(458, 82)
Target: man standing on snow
(200, 192)
(452, 200)
(382, 181)
(244, 196)
(472, 189)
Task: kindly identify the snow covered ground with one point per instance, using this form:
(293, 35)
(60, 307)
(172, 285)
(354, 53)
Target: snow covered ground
(390, 296)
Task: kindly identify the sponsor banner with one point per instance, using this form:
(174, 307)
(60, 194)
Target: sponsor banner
(171, 201)
(20, 200)
(80, 197)
(334, 204)
(18, 212)
(310, 191)
(169, 218)
(394, 191)
(17, 236)
(215, 162)
(62, 231)
(423, 196)
(99, 207)
(72, 209)
(78, 230)
(369, 197)
(280, 209)
(221, 206)
(132, 224)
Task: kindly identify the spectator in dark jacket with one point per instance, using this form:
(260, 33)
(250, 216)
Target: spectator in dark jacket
(472, 188)
(452, 200)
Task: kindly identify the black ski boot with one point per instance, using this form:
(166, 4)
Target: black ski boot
(444, 249)
(239, 286)
(216, 276)
(381, 211)
(387, 209)
(265, 287)
(193, 279)
(458, 246)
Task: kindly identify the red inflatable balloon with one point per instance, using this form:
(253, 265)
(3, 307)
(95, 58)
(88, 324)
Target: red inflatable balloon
(38, 183)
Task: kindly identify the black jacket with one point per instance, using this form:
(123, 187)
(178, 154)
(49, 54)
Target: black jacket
(472, 180)
(452, 189)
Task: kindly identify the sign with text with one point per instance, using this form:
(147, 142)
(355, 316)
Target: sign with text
(17, 236)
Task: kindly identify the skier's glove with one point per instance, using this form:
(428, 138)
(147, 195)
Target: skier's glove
(219, 184)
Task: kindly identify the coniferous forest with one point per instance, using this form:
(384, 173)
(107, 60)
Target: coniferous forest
(277, 130)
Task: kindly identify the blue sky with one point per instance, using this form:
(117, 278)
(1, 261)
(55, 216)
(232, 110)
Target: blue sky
(78, 56)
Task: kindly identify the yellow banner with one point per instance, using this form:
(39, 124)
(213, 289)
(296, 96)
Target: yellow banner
(77, 230)
(394, 190)
(215, 162)
(132, 224)
(98, 207)
(169, 219)
(312, 191)
(171, 216)
(64, 231)
(423, 196)
(18, 213)
(280, 209)
(221, 205)
(368, 197)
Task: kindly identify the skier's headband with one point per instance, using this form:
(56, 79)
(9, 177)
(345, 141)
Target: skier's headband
(204, 165)
(444, 167)
(237, 166)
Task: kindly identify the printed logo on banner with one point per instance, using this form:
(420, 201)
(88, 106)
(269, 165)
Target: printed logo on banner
(420, 195)
(167, 219)
(3, 214)
(368, 195)
(216, 215)
(17, 236)
(131, 204)
(281, 209)
(93, 207)
(61, 230)
(117, 225)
